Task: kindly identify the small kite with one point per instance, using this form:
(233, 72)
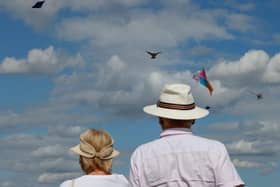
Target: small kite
(213, 109)
(153, 54)
(201, 77)
(38, 4)
(207, 107)
(258, 95)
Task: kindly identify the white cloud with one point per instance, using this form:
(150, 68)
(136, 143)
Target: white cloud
(55, 177)
(40, 61)
(50, 150)
(37, 18)
(240, 22)
(246, 6)
(122, 84)
(61, 131)
(246, 164)
(58, 165)
(97, 5)
(252, 144)
(252, 62)
(255, 70)
(143, 28)
(224, 126)
(263, 130)
(243, 147)
(8, 184)
(272, 73)
(201, 50)
(39, 156)
(222, 95)
(121, 87)
(118, 84)
(55, 112)
(254, 147)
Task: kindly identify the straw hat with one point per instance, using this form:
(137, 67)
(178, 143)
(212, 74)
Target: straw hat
(87, 150)
(176, 102)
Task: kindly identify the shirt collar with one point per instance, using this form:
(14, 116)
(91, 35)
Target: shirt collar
(175, 131)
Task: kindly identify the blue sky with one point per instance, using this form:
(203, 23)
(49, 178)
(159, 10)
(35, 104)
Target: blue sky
(82, 64)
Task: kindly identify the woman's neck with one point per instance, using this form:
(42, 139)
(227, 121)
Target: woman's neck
(98, 172)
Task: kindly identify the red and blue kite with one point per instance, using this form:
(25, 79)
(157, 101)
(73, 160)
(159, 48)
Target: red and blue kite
(201, 77)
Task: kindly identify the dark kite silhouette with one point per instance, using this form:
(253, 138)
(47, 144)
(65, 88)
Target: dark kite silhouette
(153, 54)
(258, 95)
(38, 4)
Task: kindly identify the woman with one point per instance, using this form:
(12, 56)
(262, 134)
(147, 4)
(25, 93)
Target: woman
(96, 153)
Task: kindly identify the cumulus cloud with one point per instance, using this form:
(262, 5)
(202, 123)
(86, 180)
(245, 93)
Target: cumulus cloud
(255, 69)
(109, 87)
(55, 177)
(40, 61)
(97, 5)
(59, 130)
(8, 184)
(251, 144)
(141, 29)
(252, 62)
(39, 18)
(272, 72)
(244, 147)
(201, 50)
(122, 88)
(44, 156)
(51, 150)
(53, 113)
(245, 164)
(225, 127)
(262, 129)
(240, 22)
(122, 83)
(117, 86)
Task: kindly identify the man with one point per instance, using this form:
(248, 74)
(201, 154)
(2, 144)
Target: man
(179, 158)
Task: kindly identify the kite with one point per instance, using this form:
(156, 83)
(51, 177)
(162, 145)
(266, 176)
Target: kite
(153, 54)
(213, 109)
(38, 4)
(258, 95)
(207, 107)
(201, 77)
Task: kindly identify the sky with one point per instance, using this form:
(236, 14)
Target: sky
(74, 65)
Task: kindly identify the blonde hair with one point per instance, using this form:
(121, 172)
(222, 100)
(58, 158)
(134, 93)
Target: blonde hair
(98, 139)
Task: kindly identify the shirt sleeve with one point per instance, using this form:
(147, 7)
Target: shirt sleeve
(65, 184)
(225, 172)
(133, 173)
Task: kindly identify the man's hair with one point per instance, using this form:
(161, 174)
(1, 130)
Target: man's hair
(167, 123)
(98, 139)
(177, 122)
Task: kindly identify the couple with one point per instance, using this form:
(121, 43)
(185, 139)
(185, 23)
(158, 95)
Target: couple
(177, 159)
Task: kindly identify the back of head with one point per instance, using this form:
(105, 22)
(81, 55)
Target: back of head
(99, 144)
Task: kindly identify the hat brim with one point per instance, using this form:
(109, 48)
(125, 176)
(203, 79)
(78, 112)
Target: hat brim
(76, 149)
(195, 113)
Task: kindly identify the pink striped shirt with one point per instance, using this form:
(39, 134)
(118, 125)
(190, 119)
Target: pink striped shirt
(181, 159)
